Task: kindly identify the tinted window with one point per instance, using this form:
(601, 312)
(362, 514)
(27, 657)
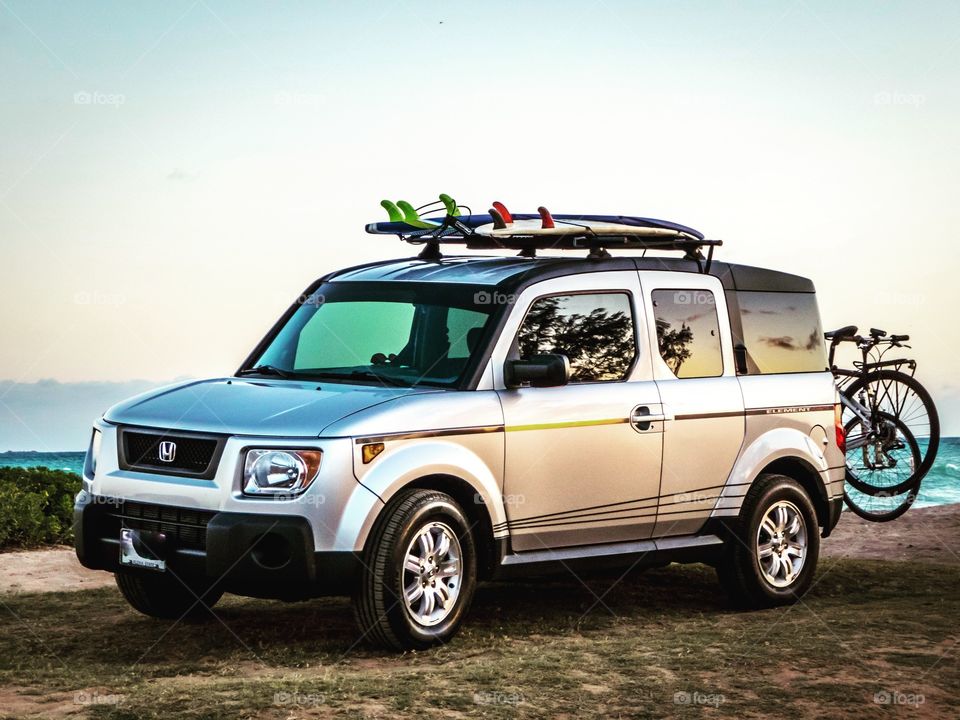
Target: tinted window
(594, 331)
(782, 332)
(688, 332)
(381, 333)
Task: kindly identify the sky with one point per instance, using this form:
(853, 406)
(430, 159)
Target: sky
(173, 174)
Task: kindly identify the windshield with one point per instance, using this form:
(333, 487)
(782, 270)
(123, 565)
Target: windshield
(401, 334)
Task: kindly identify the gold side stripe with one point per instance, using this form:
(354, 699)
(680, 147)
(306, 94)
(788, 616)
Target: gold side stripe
(575, 423)
(571, 424)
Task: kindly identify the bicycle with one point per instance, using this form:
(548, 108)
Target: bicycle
(891, 424)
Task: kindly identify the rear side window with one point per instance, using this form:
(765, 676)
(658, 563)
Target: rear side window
(688, 332)
(781, 332)
(595, 332)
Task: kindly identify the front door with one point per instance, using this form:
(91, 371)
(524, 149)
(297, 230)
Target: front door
(582, 466)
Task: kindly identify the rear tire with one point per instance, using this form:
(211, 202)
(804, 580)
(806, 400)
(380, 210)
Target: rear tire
(773, 547)
(165, 596)
(419, 573)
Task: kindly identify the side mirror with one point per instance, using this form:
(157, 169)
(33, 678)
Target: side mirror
(538, 370)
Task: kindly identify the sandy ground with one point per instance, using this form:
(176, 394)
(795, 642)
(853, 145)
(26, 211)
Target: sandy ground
(927, 534)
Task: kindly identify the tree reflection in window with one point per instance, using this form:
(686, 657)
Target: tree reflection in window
(688, 332)
(674, 344)
(595, 332)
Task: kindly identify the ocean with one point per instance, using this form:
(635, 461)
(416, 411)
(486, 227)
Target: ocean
(940, 487)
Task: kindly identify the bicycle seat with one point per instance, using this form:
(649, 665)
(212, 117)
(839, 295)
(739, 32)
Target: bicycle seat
(876, 333)
(840, 333)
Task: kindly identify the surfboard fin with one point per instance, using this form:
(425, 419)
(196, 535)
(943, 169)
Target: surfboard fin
(498, 222)
(546, 218)
(450, 204)
(504, 213)
(392, 211)
(410, 216)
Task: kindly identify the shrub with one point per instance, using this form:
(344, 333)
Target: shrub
(36, 506)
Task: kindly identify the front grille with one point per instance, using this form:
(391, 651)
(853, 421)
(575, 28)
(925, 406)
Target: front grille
(184, 527)
(193, 455)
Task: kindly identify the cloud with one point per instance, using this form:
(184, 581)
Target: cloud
(784, 342)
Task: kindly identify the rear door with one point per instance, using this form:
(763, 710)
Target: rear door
(579, 469)
(702, 401)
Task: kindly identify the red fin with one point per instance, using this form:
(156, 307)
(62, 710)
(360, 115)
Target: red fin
(504, 213)
(546, 217)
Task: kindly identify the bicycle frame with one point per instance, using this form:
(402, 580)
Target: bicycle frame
(866, 413)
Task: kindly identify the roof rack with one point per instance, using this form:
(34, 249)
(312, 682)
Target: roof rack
(502, 230)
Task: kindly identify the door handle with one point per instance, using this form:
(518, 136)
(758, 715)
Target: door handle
(641, 418)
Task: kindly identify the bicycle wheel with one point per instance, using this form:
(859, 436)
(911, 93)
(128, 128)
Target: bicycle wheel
(881, 459)
(872, 487)
(903, 397)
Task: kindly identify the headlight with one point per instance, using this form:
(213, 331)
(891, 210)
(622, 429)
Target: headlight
(279, 472)
(93, 453)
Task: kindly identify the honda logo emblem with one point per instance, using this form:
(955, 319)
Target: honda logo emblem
(168, 451)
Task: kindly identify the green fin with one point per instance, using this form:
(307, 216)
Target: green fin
(450, 204)
(392, 210)
(410, 216)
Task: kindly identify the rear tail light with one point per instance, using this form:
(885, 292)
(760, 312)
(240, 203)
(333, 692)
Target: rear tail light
(838, 423)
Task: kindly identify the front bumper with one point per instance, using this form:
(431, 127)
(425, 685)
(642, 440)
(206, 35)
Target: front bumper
(260, 555)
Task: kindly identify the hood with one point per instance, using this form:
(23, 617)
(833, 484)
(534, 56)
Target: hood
(248, 406)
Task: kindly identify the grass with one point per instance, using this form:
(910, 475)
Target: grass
(656, 640)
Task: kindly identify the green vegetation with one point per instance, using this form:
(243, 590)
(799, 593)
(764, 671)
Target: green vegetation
(659, 644)
(36, 506)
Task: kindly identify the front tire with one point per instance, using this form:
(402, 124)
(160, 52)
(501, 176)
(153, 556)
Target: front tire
(165, 596)
(419, 573)
(773, 548)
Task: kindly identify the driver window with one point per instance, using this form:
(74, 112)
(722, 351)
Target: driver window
(595, 331)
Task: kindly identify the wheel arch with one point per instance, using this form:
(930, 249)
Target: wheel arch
(785, 451)
(810, 480)
(446, 467)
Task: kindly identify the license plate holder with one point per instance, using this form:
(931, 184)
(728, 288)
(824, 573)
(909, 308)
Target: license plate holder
(141, 549)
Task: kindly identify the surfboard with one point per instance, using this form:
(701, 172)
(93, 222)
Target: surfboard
(501, 229)
(529, 225)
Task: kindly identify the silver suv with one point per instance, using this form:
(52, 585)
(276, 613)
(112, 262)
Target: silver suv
(409, 428)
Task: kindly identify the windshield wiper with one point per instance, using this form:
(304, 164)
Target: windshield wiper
(362, 375)
(266, 370)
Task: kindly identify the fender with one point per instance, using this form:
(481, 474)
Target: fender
(404, 462)
(775, 444)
